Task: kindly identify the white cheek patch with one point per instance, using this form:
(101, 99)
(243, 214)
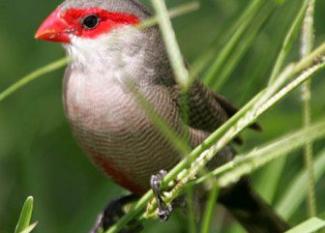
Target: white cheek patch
(84, 50)
(117, 53)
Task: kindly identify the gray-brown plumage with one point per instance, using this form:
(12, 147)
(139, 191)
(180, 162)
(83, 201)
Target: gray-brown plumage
(108, 121)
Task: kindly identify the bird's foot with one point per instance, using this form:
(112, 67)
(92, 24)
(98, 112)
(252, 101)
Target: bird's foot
(164, 210)
(112, 213)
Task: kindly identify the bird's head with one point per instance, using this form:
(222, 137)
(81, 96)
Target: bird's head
(86, 19)
(98, 33)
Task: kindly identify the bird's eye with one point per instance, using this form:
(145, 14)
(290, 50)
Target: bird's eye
(90, 21)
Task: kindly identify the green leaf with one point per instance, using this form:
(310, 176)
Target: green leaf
(25, 215)
(310, 225)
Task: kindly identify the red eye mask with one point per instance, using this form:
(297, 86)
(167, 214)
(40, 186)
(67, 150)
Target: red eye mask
(84, 23)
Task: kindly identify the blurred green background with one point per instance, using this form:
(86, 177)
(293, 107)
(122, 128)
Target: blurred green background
(39, 157)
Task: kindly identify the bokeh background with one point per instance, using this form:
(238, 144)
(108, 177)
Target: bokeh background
(39, 157)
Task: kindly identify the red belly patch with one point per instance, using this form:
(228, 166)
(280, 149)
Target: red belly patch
(109, 168)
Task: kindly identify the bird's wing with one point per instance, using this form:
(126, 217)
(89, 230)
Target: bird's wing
(205, 109)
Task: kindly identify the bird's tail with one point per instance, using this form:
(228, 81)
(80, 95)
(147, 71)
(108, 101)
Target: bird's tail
(253, 213)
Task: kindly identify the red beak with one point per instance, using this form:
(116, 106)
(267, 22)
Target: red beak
(54, 29)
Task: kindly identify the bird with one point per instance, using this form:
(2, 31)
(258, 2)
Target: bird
(112, 59)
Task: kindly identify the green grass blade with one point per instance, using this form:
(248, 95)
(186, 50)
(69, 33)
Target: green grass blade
(270, 186)
(296, 192)
(174, 12)
(200, 63)
(173, 50)
(30, 228)
(32, 76)
(25, 215)
(244, 164)
(307, 41)
(288, 41)
(245, 42)
(210, 205)
(308, 226)
(241, 26)
(191, 210)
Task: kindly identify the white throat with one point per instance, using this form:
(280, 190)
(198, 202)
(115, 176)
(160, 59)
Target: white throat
(119, 50)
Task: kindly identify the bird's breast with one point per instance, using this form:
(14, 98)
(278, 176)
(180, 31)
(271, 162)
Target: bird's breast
(115, 130)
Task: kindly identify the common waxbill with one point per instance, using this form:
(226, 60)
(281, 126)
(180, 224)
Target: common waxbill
(111, 60)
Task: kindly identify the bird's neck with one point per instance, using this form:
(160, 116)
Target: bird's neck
(106, 51)
(122, 54)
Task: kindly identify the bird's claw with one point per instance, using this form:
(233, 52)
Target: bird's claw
(164, 210)
(112, 213)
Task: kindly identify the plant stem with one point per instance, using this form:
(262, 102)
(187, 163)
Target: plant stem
(174, 53)
(240, 28)
(191, 210)
(172, 13)
(247, 162)
(247, 17)
(288, 42)
(208, 213)
(32, 76)
(202, 61)
(240, 50)
(307, 40)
